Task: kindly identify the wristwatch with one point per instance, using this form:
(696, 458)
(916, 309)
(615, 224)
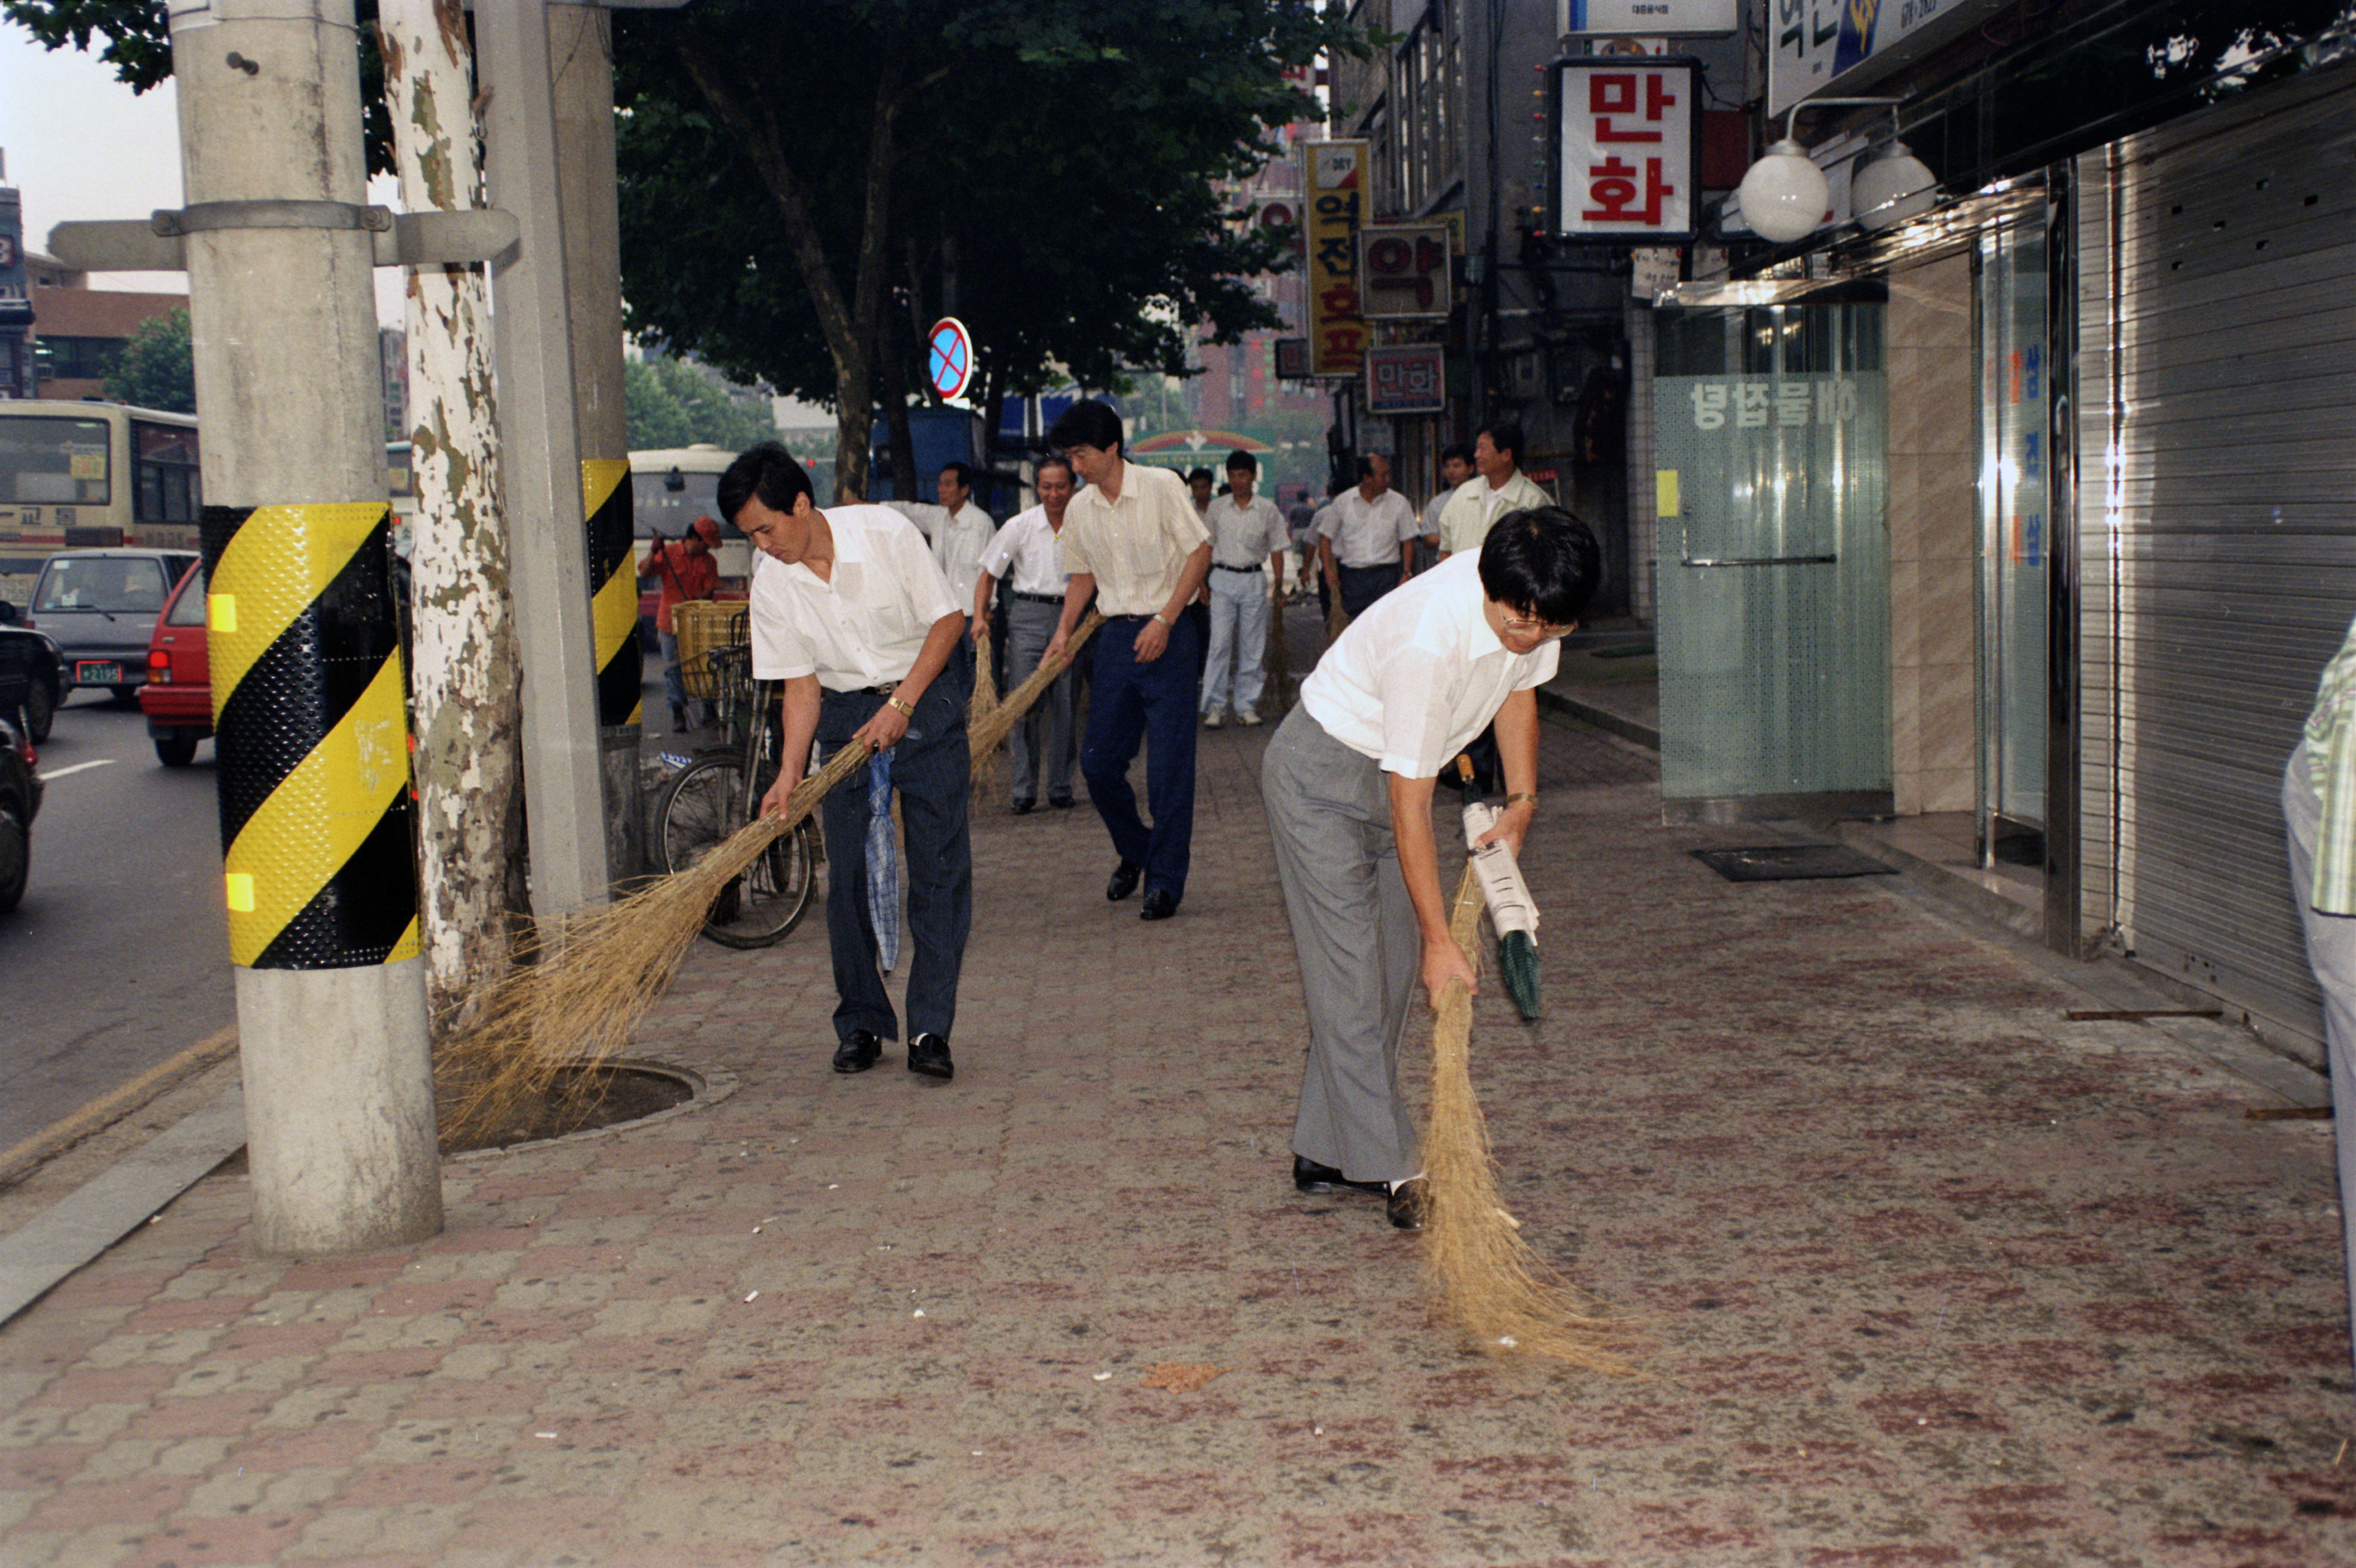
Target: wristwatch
(1164, 621)
(906, 710)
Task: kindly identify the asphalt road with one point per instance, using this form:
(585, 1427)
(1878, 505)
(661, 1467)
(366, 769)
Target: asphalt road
(118, 958)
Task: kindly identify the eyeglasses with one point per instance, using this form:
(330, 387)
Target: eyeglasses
(1537, 628)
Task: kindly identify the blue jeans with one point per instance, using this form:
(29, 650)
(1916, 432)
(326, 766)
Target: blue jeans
(930, 770)
(1130, 703)
(673, 686)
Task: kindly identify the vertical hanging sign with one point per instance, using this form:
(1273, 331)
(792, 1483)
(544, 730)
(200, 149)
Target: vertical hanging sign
(1337, 325)
(1627, 148)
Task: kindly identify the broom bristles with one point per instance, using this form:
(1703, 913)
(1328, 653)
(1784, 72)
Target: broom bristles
(989, 768)
(1277, 663)
(581, 1003)
(1484, 1278)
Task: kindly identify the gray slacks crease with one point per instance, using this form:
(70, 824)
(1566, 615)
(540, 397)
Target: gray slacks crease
(1045, 742)
(2331, 952)
(1360, 950)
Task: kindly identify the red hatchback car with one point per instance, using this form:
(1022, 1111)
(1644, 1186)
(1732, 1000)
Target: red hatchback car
(179, 697)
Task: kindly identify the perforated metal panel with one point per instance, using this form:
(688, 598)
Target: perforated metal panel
(2217, 519)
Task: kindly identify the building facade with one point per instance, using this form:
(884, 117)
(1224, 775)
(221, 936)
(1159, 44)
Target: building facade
(2047, 559)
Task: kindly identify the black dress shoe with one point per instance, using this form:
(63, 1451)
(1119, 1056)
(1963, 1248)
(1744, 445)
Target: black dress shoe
(1024, 808)
(1307, 1175)
(929, 1055)
(1409, 1199)
(1160, 905)
(1061, 802)
(1124, 881)
(857, 1051)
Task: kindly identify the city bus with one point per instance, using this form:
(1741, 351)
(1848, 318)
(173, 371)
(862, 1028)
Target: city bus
(92, 474)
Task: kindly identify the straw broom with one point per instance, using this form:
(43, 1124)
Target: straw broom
(580, 1004)
(988, 774)
(1277, 663)
(1484, 1277)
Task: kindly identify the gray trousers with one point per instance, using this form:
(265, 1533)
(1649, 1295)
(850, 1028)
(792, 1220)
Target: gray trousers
(1044, 741)
(2332, 953)
(1329, 810)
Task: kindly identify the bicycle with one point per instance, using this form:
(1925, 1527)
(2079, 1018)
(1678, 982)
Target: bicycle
(719, 792)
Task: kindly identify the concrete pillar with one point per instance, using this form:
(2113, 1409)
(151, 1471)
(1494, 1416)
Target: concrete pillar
(580, 45)
(310, 729)
(531, 344)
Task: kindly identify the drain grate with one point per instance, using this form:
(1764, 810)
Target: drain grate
(1790, 863)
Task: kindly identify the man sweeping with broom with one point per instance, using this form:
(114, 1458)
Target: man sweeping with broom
(850, 612)
(1349, 782)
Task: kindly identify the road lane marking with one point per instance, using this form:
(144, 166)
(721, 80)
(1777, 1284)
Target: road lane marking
(77, 767)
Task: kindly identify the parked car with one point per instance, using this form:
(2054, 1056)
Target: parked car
(99, 607)
(20, 803)
(179, 697)
(32, 673)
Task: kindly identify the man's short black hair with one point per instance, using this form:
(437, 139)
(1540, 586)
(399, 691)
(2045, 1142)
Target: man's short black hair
(1242, 462)
(1055, 460)
(1463, 453)
(1086, 422)
(1366, 463)
(964, 471)
(768, 471)
(1542, 563)
(1204, 475)
(1505, 436)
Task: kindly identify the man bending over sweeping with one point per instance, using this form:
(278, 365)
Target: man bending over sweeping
(850, 611)
(1348, 784)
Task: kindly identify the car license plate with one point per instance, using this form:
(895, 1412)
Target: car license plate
(91, 672)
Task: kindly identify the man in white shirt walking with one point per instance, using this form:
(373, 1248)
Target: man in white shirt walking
(1366, 541)
(1497, 487)
(1132, 541)
(1455, 468)
(850, 611)
(959, 529)
(1247, 534)
(1027, 554)
(1349, 782)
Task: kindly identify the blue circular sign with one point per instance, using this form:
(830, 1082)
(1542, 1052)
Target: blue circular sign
(949, 357)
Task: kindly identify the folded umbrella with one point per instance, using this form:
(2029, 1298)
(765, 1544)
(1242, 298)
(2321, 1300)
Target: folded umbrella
(1506, 895)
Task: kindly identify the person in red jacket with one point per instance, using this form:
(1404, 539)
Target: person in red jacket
(685, 570)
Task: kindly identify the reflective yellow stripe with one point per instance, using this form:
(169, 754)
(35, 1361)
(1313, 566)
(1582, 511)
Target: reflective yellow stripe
(600, 477)
(314, 821)
(615, 611)
(277, 564)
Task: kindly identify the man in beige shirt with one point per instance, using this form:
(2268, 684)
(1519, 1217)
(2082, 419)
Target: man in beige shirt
(1133, 542)
(1497, 487)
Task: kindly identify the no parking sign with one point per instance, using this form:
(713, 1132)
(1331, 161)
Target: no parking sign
(949, 357)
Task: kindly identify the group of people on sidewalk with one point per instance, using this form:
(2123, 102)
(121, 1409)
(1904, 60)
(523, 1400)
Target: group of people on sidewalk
(867, 628)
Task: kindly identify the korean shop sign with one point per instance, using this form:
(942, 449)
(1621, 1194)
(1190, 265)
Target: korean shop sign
(1627, 147)
(1812, 44)
(1403, 270)
(1408, 378)
(1336, 193)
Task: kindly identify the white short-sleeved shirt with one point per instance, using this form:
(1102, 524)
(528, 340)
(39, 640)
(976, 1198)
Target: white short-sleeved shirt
(1369, 532)
(1474, 509)
(866, 625)
(1246, 536)
(958, 539)
(1416, 677)
(1135, 547)
(1029, 546)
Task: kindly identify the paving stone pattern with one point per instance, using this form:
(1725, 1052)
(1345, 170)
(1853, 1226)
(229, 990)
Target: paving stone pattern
(1933, 1275)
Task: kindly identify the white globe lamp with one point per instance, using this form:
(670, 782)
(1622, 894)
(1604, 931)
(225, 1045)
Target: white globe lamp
(1783, 195)
(1895, 187)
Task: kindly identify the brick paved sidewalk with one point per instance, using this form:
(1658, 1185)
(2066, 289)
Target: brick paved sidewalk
(1937, 1276)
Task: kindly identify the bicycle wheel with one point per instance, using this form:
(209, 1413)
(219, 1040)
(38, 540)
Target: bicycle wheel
(700, 807)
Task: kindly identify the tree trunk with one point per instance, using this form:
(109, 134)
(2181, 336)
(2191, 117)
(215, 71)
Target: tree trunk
(463, 686)
(896, 414)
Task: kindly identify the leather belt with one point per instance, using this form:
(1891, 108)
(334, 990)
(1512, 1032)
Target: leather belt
(1037, 598)
(1222, 566)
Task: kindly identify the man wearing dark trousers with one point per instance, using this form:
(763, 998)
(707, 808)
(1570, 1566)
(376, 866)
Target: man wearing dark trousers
(850, 612)
(1132, 541)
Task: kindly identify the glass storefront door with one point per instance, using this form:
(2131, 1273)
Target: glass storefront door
(2014, 453)
(1772, 453)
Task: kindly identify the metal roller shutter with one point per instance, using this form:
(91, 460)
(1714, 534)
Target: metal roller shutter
(2217, 533)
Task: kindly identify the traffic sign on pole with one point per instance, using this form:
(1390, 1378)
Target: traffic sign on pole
(949, 357)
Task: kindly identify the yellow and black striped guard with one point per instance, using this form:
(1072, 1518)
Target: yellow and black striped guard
(613, 587)
(311, 732)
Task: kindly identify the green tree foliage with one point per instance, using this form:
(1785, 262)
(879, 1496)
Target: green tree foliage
(156, 368)
(673, 402)
(804, 187)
